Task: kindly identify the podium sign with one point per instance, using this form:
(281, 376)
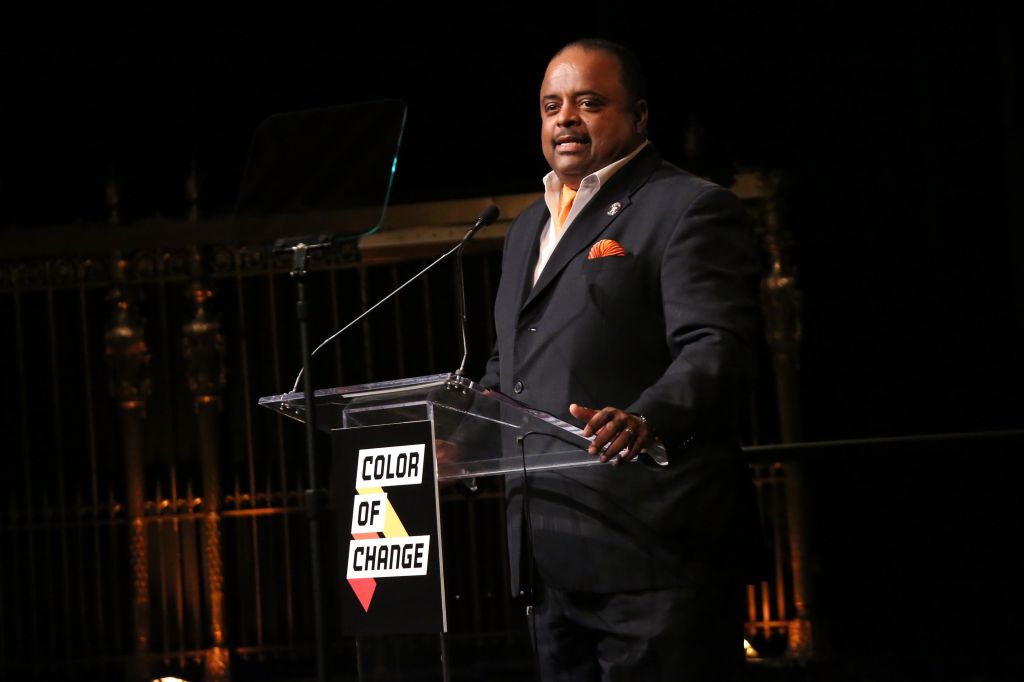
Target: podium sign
(384, 484)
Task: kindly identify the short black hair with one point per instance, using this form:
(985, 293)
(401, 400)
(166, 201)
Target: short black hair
(632, 74)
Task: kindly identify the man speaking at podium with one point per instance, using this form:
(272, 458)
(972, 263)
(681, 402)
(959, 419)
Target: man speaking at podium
(628, 304)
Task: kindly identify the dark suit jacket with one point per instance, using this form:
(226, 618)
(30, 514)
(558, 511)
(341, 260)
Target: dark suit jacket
(665, 331)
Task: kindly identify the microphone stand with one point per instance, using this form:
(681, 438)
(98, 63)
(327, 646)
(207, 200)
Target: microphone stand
(489, 215)
(314, 502)
(461, 284)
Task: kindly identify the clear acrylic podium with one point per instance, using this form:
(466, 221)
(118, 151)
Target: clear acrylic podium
(394, 443)
(486, 432)
(475, 433)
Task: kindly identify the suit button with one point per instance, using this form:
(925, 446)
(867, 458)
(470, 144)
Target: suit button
(518, 387)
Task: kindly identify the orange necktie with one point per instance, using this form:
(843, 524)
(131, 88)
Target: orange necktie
(564, 206)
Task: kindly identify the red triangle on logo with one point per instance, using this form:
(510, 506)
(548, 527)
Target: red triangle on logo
(364, 588)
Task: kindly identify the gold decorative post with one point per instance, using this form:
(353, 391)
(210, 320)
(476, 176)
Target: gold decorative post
(781, 305)
(128, 361)
(780, 301)
(203, 348)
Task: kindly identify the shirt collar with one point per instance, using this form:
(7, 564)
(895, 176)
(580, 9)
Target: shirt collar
(595, 180)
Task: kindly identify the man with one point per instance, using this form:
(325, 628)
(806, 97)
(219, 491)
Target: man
(628, 303)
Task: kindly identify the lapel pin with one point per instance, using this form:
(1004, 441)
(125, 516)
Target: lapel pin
(614, 208)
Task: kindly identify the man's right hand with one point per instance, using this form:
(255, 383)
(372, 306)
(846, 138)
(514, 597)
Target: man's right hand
(624, 434)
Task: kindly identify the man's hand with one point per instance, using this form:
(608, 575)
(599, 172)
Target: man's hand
(448, 455)
(625, 434)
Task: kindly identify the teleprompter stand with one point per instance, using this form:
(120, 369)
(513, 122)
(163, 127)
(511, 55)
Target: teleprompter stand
(327, 170)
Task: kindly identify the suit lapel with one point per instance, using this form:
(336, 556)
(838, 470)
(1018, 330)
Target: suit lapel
(527, 254)
(593, 220)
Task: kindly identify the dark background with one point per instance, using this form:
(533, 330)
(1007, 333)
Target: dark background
(898, 132)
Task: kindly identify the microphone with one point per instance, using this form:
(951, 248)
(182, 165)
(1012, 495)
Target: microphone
(489, 215)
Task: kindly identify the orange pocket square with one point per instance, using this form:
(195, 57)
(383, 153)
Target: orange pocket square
(606, 247)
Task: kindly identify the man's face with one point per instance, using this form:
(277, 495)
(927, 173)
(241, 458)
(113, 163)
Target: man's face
(587, 120)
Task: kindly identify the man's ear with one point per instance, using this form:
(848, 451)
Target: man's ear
(640, 116)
